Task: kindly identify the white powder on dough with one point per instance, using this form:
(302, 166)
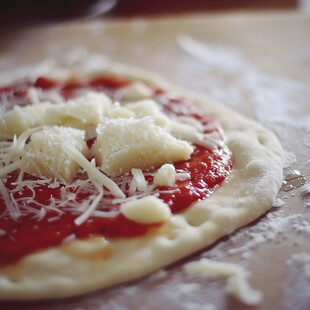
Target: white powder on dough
(269, 97)
(272, 227)
(266, 230)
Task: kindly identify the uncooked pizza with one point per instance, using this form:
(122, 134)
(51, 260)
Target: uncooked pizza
(109, 175)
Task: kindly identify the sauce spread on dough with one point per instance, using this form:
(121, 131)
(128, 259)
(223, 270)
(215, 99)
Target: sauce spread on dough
(27, 234)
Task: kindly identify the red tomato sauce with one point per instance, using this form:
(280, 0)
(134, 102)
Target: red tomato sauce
(27, 235)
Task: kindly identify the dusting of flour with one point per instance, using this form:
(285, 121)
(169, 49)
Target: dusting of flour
(276, 102)
(281, 104)
(269, 99)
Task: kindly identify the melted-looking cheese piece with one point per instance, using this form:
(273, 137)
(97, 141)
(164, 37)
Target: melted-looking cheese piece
(165, 176)
(44, 156)
(146, 210)
(123, 144)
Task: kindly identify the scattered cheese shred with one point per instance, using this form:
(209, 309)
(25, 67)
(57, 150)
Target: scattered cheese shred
(84, 216)
(133, 135)
(18, 145)
(10, 168)
(92, 171)
(138, 177)
(239, 287)
(237, 284)
(7, 200)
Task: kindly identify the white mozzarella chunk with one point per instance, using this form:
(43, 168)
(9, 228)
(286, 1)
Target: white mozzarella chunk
(165, 176)
(135, 91)
(146, 210)
(86, 111)
(44, 155)
(123, 144)
(148, 107)
(18, 120)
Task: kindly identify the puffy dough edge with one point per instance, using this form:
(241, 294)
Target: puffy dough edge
(83, 266)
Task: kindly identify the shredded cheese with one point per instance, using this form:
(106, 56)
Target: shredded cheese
(139, 136)
(138, 177)
(84, 216)
(14, 213)
(92, 171)
(10, 168)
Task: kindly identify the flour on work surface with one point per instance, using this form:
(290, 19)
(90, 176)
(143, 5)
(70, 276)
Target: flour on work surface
(269, 97)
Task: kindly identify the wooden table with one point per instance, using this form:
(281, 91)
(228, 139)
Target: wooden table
(258, 63)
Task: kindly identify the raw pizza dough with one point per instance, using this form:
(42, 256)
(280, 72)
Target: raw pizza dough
(82, 266)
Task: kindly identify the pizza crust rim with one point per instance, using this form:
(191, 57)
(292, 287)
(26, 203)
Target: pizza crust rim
(83, 266)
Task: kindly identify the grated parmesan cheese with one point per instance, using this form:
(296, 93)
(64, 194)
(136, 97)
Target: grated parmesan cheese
(148, 107)
(18, 120)
(123, 144)
(83, 113)
(84, 216)
(132, 137)
(92, 171)
(44, 156)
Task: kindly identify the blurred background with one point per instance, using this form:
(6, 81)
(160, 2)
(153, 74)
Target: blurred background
(19, 13)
